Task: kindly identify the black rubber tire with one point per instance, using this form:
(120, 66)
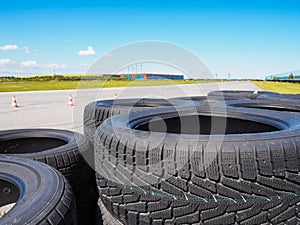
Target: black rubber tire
(280, 105)
(41, 193)
(64, 151)
(231, 94)
(167, 178)
(97, 112)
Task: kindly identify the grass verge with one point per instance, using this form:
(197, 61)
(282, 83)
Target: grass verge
(66, 85)
(280, 87)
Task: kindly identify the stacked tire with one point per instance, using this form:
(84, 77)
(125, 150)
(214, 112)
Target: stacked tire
(95, 113)
(70, 153)
(219, 163)
(41, 194)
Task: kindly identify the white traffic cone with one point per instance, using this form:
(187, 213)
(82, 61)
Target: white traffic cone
(70, 102)
(115, 96)
(14, 102)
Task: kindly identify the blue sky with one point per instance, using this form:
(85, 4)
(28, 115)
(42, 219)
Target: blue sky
(248, 39)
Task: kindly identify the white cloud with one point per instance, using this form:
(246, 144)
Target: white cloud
(88, 51)
(14, 47)
(9, 47)
(29, 64)
(54, 66)
(5, 62)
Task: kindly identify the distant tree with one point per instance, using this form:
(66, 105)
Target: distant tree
(291, 76)
(275, 78)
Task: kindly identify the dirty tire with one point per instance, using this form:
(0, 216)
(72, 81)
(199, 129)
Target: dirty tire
(97, 112)
(249, 176)
(64, 151)
(31, 185)
(230, 94)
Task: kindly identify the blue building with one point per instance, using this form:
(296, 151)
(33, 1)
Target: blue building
(150, 76)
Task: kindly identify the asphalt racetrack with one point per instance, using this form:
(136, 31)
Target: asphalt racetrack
(49, 109)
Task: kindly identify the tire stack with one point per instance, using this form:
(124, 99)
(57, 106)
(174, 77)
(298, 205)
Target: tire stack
(232, 157)
(233, 160)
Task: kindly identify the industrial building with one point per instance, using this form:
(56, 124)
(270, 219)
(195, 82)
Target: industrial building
(149, 76)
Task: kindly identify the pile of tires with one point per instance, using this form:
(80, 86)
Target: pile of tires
(222, 161)
(68, 152)
(232, 157)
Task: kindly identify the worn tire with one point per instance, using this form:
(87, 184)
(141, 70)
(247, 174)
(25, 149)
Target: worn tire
(41, 193)
(248, 176)
(97, 112)
(64, 151)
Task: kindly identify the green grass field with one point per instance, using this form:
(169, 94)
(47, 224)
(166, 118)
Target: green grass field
(280, 87)
(65, 85)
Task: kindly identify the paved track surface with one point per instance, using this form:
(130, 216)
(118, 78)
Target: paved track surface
(48, 109)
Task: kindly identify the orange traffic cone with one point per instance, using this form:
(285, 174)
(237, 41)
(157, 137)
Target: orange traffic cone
(115, 96)
(70, 102)
(14, 102)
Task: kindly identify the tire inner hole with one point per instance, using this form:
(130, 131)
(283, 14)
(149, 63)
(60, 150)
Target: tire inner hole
(29, 145)
(204, 125)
